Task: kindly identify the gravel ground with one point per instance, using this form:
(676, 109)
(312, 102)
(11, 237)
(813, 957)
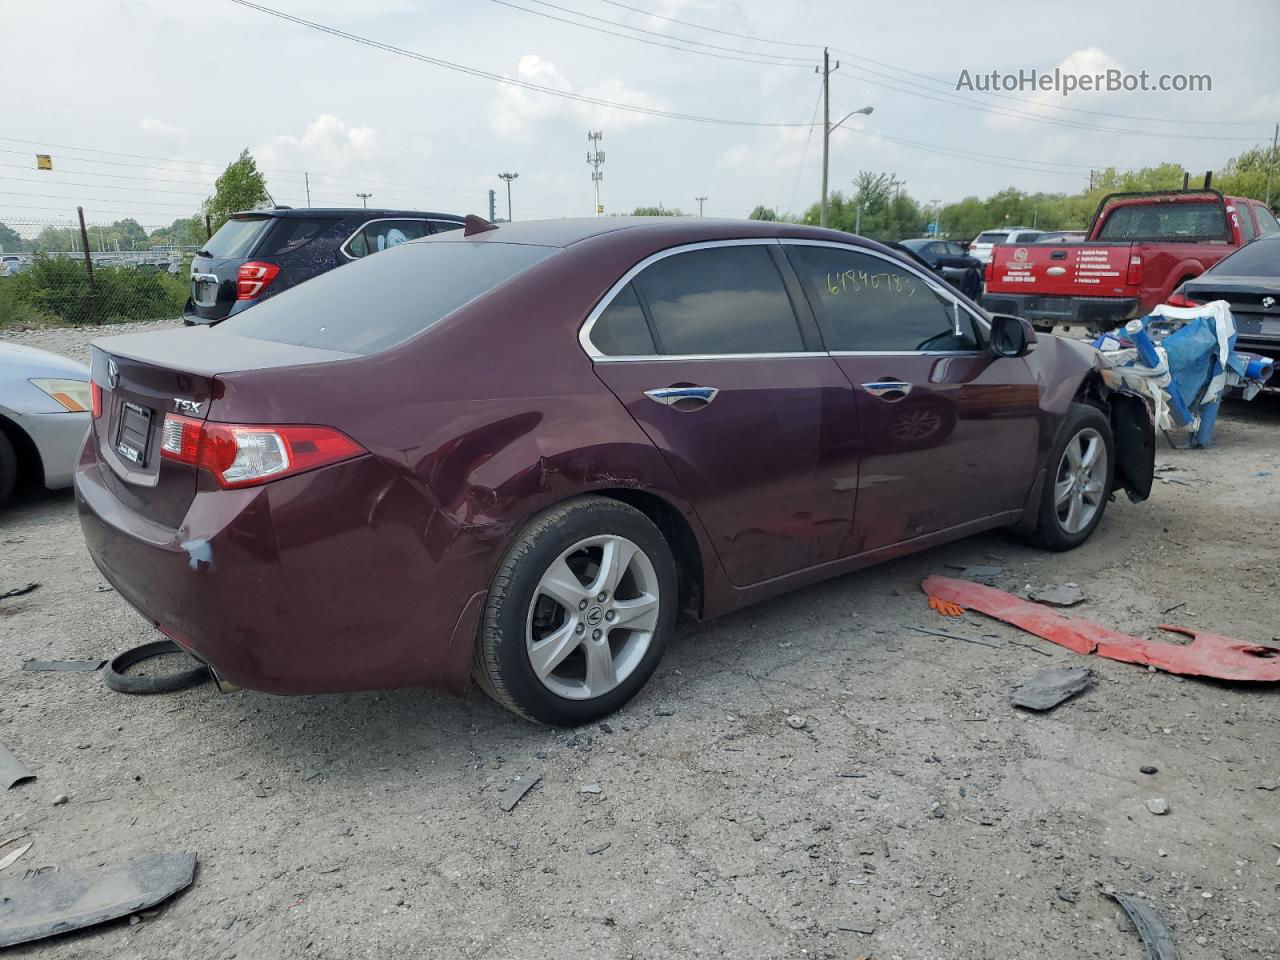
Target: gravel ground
(914, 816)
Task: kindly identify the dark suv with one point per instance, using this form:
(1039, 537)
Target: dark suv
(257, 254)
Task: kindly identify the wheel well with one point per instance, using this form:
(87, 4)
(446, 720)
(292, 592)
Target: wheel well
(1092, 392)
(675, 528)
(30, 466)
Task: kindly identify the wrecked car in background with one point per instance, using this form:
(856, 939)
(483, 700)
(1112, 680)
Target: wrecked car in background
(518, 452)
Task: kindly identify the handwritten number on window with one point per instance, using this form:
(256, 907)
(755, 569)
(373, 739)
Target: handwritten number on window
(856, 281)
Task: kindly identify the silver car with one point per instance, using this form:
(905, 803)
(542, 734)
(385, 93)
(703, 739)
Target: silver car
(46, 403)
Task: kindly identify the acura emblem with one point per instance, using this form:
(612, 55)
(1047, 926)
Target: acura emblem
(1268, 302)
(113, 374)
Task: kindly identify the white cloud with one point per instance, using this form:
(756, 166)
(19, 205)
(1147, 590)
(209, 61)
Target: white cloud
(158, 128)
(515, 111)
(327, 143)
(1090, 61)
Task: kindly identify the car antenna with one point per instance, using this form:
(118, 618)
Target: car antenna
(474, 224)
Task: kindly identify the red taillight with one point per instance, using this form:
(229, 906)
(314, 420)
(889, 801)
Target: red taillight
(242, 456)
(95, 399)
(989, 271)
(1134, 277)
(254, 277)
(1178, 300)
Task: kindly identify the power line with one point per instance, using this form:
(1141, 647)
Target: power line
(509, 81)
(696, 26)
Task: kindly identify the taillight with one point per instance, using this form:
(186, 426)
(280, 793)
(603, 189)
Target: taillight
(95, 399)
(242, 456)
(254, 277)
(1134, 277)
(1178, 300)
(989, 271)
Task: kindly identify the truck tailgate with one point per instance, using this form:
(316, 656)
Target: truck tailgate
(1061, 269)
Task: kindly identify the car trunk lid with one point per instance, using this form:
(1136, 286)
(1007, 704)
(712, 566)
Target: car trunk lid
(1061, 269)
(144, 378)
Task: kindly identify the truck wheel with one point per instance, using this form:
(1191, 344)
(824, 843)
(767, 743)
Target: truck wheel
(1080, 472)
(8, 468)
(579, 613)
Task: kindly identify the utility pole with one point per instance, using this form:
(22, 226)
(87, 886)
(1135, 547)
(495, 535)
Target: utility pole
(508, 177)
(307, 177)
(364, 198)
(88, 266)
(700, 202)
(1275, 139)
(492, 202)
(826, 128)
(595, 157)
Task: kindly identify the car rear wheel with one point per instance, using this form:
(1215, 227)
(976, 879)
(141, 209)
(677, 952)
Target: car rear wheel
(1078, 484)
(579, 613)
(8, 467)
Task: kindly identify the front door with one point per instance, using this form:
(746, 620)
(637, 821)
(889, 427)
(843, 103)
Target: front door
(948, 432)
(758, 424)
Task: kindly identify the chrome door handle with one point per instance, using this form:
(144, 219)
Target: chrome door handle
(669, 395)
(881, 388)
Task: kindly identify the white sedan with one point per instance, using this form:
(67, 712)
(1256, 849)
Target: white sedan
(45, 408)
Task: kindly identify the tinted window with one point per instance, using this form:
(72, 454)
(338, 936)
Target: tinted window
(1258, 259)
(383, 234)
(443, 226)
(1267, 222)
(235, 237)
(955, 250)
(1166, 221)
(721, 300)
(377, 302)
(292, 233)
(621, 330)
(992, 236)
(870, 304)
(1247, 230)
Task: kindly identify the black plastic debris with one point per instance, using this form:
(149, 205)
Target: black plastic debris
(11, 769)
(60, 901)
(121, 682)
(18, 591)
(515, 793)
(1048, 688)
(63, 666)
(1156, 937)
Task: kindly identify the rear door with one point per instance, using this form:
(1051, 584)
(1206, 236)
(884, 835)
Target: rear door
(704, 347)
(948, 431)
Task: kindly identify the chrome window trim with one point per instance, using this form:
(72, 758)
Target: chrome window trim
(584, 333)
(346, 253)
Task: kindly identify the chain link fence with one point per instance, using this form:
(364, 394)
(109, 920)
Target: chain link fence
(47, 276)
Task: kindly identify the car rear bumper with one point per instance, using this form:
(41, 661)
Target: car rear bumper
(1046, 312)
(322, 582)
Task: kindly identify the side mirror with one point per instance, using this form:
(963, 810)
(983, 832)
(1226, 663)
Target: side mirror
(1011, 336)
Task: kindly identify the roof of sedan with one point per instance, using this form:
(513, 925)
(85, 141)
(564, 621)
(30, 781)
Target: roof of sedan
(566, 232)
(345, 212)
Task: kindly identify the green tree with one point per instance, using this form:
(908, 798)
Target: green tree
(241, 187)
(763, 213)
(658, 211)
(10, 240)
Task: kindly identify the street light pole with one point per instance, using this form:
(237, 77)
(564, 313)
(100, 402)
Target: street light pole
(828, 127)
(508, 177)
(364, 198)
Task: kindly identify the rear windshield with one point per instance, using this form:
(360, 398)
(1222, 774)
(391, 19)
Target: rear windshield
(1166, 221)
(293, 233)
(1261, 258)
(235, 237)
(377, 302)
(992, 236)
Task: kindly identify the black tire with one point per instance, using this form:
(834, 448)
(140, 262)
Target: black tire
(502, 662)
(8, 468)
(1051, 532)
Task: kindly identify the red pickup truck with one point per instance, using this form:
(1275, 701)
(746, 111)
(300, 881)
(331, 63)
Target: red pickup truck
(1140, 246)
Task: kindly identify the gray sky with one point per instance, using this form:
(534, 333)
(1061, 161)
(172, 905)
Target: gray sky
(198, 81)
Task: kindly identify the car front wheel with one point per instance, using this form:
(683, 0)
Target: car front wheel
(1078, 483)
(579, 613)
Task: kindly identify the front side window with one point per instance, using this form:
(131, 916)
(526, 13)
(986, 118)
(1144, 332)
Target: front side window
(868, 304)
(384, 234)
(1266, 220)
(722, 300)
(444, 226)
(1247, 229)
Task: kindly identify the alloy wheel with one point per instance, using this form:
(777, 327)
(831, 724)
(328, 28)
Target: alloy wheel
(592, 617)
(1081, 480)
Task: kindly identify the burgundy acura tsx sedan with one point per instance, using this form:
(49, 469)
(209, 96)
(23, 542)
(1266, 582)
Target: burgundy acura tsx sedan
(518, 453)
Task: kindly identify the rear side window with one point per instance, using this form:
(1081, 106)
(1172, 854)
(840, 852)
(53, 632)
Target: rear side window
(867, 304)
(992, 236)
(236, 237)
(723, 300)
(1166, 221)
(1267, 222)
(621, 330)
(380, 301)
(381, 235)
(293, 233)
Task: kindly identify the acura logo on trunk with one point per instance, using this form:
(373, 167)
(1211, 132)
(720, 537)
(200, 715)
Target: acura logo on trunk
(113, 374)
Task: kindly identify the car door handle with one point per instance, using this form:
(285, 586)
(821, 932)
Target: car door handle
(883, 389)
(669, 395)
